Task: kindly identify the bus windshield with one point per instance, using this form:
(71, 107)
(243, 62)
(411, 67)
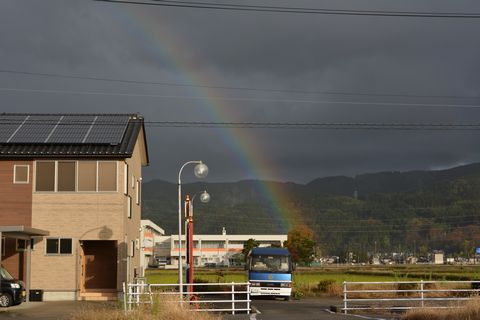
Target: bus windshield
(270, 263)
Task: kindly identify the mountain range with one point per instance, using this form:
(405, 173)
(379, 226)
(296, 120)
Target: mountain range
(415, 210)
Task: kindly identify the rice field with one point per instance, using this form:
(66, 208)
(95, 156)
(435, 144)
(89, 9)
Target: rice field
(169, 276)
(339, 274)
(328, 280)
(306, 278)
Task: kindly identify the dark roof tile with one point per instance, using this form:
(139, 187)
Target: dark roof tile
(65, 135)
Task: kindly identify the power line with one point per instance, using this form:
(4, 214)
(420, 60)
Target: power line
(172, 84)
(372, 221)
(298, 10)
(240, 99)
(268, 125)
(316, 125)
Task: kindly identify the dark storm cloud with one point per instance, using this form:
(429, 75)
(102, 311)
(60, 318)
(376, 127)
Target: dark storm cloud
(255, 50)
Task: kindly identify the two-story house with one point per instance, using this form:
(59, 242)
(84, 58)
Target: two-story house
(70, 198)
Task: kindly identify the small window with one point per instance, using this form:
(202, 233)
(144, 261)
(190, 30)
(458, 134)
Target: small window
(107, 176)
(45, 176)
(65, 246)
(59, 246)
(52, 246)
(133, 181)
(3, 247)
(125, 176)
(22, 244)
(132, 248)
(21, 173)
(129, 207)
(137, 193)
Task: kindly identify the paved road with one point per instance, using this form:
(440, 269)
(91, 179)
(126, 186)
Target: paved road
(305, 309)
(58, 310)
(267, 309)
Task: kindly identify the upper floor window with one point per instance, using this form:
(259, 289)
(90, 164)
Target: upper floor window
(45, 178)
(87, 176)
(107, 176)
(66, 175)
(21, 173)
(76, 176)
(125, 175)
(138, 192)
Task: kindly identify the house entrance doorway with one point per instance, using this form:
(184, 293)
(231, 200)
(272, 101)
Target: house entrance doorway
(99, 265)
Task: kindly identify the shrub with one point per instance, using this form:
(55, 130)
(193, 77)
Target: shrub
(201, 288)
(406, 286)
(297, 294)
(325, 285)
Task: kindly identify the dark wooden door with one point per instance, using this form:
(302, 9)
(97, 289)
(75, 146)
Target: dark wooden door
(100, 264)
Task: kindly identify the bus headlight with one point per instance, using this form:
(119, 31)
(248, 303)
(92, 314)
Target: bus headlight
(286, 284)
(15, 285)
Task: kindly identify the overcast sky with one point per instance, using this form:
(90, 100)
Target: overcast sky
(405, 68)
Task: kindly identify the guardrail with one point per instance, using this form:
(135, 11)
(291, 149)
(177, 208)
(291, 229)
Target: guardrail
(214, 297)
(405, 295)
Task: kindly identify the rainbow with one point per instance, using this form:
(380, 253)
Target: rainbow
(241, 143)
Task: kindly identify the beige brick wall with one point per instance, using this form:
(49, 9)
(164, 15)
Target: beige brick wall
(87, 216)
(133, 225)
(94, 216)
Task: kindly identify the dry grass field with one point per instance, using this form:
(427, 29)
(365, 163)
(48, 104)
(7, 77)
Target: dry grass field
(164, 309)
(468, 311)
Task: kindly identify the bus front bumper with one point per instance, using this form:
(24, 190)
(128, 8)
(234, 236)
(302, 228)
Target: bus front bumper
(270, 291)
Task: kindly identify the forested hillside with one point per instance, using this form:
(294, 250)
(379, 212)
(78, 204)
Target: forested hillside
(392, 211)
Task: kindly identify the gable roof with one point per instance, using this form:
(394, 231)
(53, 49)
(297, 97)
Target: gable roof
(69, 135)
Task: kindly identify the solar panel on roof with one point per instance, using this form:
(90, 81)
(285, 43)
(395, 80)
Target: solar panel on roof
(71, 129)
(35, 129)
(8, 125)
(108, 129)
(63, 129)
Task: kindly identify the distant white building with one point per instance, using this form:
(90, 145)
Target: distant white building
(210, 249)
(149, 231)
(438, 258)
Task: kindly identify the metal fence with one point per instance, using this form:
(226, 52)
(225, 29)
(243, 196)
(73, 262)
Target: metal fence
(214, 297)
(405, 295)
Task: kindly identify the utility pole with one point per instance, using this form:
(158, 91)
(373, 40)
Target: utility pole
(189, 243)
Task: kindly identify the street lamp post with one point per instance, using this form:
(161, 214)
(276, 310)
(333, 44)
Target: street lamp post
(200, 171)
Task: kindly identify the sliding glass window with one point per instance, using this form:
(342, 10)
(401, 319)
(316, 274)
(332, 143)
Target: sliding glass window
(45, 178)
(87, 176)
(66, 176)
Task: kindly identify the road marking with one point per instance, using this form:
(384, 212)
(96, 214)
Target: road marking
(365, 317)
(255, 309)
(355, 315)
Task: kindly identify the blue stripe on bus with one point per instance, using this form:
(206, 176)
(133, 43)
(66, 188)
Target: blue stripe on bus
(270, 276)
